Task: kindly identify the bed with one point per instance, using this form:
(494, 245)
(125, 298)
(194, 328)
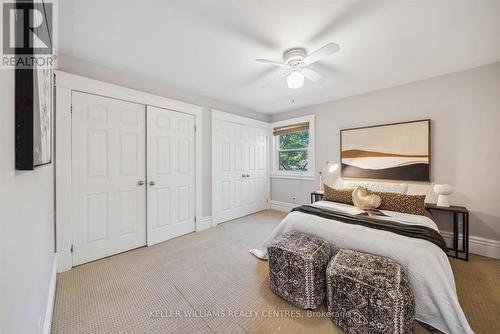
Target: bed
(428, 267)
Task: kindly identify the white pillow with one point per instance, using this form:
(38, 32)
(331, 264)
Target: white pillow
(399, 188)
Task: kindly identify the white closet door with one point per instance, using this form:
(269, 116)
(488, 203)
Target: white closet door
(256, 176)
(108, 174)
(171, 174)
(239, 169)
(229, 146)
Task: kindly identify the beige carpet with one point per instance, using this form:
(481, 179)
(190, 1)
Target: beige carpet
(207, 282)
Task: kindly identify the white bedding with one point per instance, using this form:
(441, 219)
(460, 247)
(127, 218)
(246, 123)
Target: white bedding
(427, 265)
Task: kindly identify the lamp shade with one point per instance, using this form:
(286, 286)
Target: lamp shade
(444, 191)
(329, 169)
(329, 174)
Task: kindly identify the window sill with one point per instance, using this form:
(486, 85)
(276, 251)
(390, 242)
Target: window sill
(294, 177)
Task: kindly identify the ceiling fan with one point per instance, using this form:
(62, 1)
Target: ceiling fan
(295, 62)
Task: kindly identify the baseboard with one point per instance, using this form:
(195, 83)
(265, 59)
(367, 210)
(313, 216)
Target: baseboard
(281, 206)
(64, 261)
(49, 309)
(203, 223)
(477, 245)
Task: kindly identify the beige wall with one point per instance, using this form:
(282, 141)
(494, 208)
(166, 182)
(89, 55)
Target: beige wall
(465, 112)
(26, 229)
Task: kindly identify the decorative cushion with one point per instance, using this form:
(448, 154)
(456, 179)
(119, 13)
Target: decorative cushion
(413, 204)
(364, 200)
(400, 188)
(297, 264)
(338, 195)
(369, 294)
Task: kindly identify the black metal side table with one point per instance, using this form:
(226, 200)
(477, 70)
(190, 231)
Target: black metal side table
(456, 211)
(316, 196)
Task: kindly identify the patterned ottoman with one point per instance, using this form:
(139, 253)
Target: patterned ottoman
(369, 294)
(297, 264)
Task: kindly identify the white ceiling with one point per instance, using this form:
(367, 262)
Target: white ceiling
(208, 47)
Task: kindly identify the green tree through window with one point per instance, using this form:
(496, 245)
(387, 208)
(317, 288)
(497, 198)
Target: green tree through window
(292, 151)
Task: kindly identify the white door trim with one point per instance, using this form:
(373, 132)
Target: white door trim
(228, 117)
(87, 85)
(66, 83)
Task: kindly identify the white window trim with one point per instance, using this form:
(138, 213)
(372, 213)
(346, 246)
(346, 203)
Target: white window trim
(311, 173)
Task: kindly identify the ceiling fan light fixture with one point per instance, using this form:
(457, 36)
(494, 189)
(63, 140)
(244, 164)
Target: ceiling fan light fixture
(295, 80)
(296, 62)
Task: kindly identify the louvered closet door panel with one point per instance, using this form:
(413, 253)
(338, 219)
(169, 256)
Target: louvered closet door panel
(171, 174)
(108, 161)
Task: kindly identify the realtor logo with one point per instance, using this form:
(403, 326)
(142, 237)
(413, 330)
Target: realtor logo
(27, 33)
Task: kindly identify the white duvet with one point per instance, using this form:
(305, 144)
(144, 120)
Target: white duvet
(427, 265)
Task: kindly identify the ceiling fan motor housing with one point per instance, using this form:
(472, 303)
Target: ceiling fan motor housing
(293, 57)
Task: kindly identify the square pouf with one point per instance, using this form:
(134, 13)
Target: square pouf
(369, 294)
(297, 264)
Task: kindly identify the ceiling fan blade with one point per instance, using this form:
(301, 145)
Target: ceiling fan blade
(321, 53)
(346, 14)
(216, 18)
(270, 62)
(276, 76)
(312, 75)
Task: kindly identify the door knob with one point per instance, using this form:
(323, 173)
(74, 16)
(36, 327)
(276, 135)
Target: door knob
(152, 183)
(141, 183)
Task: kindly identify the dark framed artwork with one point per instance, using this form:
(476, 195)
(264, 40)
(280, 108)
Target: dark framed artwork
(34, 106)
(396, 151)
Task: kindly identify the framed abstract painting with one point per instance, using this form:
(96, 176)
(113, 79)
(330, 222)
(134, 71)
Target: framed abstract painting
(34, 90)
(397, 151)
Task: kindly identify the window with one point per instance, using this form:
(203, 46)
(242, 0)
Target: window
(293, 150)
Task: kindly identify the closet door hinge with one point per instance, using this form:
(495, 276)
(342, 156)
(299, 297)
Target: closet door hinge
(195, 128)
(71, 108)
(195, 219)
(71, 249)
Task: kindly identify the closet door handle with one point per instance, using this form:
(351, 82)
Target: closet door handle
(243, 175)
(140, 183)
(248, 175)
(152, 183)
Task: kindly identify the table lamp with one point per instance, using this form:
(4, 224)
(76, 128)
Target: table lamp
(444, 191)
(327, 171)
